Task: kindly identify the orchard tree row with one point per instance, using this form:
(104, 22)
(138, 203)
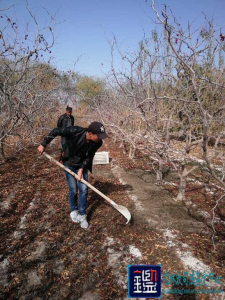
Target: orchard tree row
(168, 100)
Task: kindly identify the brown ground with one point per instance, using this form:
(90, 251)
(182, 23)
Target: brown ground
(46, 256)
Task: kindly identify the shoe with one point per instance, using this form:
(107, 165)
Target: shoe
(83, 221)
(74, 216)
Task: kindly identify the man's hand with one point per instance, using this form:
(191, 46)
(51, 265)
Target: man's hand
(80, 174)
(41, 149)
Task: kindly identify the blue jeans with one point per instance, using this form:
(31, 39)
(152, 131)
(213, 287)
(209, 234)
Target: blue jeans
(74, 186)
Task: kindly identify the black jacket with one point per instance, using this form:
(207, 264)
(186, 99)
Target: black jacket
(65, 121)
(78, 152)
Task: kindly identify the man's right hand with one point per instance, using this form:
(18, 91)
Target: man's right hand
(41, 149)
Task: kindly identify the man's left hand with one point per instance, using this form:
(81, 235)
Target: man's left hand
(80, 174)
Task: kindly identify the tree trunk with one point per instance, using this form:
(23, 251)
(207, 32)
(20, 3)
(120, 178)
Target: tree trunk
(182, 187)
(2, 150)
(132, 152)
(122, 145)
(159, 172)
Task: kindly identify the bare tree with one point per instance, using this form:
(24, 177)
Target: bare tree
(26, 82)
(199, 63)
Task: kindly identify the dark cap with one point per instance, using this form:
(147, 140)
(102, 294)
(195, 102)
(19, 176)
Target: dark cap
(99, 129)
(68, 108)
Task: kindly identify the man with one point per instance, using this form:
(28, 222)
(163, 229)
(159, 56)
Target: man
(66, 120)
(78, 153)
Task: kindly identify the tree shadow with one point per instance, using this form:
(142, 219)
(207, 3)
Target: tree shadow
(96, 200)
(106, 187)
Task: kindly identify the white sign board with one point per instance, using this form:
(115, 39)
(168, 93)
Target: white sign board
(101, 158)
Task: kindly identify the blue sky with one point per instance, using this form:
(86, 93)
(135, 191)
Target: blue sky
(87, 24)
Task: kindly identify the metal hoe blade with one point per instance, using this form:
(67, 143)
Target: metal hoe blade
(122, 209)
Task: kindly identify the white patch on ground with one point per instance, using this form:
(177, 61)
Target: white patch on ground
(218, 220)
(200, 212)
(218, 187)
(23, 222)
(203, 184)
(203, 162)
(4, 265)
(189, 261)
(110, 241)
(209, 191)
(115, 260)
(199, 161)
(33, 279)
(137, 203)
(89, 296)
(123, 182)
(190, 203)
(169, 183)
(6, 205)
(169, 237)
(135, 251)
(113, 257)
(39, 252)
(204, 214)
(152, 222)
(59, 267)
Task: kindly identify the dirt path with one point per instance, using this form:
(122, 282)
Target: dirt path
(154, 204)
(46, 256)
